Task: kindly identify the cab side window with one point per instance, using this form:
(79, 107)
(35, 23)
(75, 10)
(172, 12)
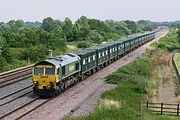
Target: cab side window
(63, 71)
(58, 70)
(77, 66)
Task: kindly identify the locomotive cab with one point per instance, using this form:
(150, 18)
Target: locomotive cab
(45, 77)
(52, 76)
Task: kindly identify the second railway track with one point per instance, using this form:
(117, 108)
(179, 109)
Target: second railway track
(11, 77)
(15, 72)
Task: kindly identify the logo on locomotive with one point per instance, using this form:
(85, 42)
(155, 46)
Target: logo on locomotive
(71, 67)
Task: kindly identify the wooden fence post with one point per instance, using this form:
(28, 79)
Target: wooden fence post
(147, 105)
(161, 108)
(177, 109)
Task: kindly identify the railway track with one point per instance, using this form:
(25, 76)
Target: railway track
(16, 109)
(5, 96)
(39, 102)
(8, 101)
(14, 72)
(33, 109)
(15, 95)
(14, 76)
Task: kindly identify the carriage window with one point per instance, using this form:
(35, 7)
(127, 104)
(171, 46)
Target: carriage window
(50, 71)
(99, 55)
(89, 59)
(106, 52)
(102, 53)
(84, 61)
(110, 50)
(94, 57)
(38, 71)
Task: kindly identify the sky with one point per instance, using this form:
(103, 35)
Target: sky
(37, 10)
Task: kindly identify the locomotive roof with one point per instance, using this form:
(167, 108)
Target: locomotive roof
(61, 60)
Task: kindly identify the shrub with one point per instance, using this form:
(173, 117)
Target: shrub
(83, 44)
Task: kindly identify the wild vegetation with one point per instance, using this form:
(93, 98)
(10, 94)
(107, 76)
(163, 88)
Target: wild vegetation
(134, 85)
(23, 43)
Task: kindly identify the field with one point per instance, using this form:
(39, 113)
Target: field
(136, 82)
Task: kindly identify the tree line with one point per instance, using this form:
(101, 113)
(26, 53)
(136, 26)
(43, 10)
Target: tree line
(23, 43)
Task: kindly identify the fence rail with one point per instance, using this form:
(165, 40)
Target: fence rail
(163, 108)
(175, 67)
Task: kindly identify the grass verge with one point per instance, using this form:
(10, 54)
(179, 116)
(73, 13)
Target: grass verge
(135, 83)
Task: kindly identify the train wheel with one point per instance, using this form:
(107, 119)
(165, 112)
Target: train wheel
(58, 90)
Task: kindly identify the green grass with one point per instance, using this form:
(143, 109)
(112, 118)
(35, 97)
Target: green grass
(177, 60)
(156, 116)
(169, 42)
(123, 103)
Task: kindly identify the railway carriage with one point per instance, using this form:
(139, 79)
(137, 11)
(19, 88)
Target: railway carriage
(102, 53)
(127, 45)
(142, 40)
(137, 41)
(88, 60)
(113, 51)
(120, 47)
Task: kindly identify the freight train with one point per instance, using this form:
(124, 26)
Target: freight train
(52, 76)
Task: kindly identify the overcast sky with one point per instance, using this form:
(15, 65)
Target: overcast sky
(37, 10)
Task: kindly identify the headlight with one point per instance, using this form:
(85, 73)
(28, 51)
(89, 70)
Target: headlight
(35, 82)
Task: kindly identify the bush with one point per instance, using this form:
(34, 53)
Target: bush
(83, 44)
(169, 42)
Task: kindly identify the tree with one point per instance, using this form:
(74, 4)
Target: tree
(57, 40)
(178, 32)
(3, 64)
(7, 54)
(20, 23)
(35, 53)
(11, 23)
(95, 37)
(83, 22)
(97, 25)
(48, 24)
(146, 25)
(2, 43)
(68, 26)
(132, 26)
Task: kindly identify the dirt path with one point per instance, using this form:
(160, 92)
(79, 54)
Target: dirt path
(81, 99)
(167, 85)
